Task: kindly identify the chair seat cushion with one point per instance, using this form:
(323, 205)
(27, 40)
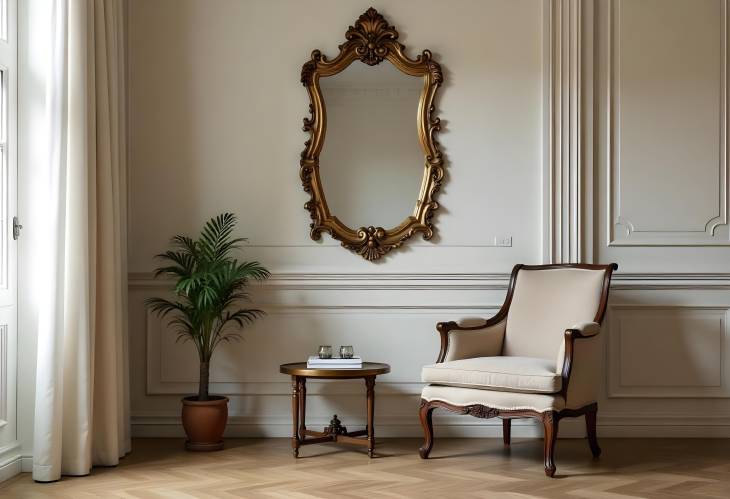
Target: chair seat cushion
(516, 374)
(496, 399)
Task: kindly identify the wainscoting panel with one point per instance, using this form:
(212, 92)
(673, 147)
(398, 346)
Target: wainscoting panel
(667, 95)
(676, 352)
(4, 368)
(290, 334)
(666, 349)
(389, 318)
(8, 385)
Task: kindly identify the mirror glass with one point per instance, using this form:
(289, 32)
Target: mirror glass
(372, 163)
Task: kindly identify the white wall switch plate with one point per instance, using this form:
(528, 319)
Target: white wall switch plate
(503, 241)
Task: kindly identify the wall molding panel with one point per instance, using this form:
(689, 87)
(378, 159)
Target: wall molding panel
(240, 379)
(647, 228)
(4, 380)
(567, 155)
(688, 347)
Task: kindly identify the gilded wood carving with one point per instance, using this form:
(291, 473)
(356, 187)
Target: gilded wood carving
(371, 40)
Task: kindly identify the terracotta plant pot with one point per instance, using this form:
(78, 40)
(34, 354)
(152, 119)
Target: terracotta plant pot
(204, 422)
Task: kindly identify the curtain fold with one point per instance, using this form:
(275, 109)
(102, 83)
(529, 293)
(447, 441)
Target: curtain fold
(82, 393)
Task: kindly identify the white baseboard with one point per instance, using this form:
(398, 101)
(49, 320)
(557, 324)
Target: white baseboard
(609, 426)
(279, 430)
(10, 461)
(10, 468)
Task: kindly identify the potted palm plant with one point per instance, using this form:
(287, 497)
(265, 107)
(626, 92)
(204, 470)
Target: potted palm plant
(210, 286)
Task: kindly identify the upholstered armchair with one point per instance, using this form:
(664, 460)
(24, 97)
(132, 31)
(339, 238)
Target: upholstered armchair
(539, 357)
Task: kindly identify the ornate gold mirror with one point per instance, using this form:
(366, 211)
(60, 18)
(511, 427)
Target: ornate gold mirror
(374, 163)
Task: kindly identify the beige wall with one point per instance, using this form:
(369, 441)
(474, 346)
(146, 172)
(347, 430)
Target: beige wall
(550, 137)
(216, 108)
(216, 113)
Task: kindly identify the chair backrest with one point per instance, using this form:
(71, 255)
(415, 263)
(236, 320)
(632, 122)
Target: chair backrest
(548, 299)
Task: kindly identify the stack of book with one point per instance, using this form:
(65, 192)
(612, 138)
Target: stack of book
(314, 362)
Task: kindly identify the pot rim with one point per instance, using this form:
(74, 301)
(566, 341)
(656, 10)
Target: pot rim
(213, 400)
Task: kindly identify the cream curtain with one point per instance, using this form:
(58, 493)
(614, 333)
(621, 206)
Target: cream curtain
(82, 394)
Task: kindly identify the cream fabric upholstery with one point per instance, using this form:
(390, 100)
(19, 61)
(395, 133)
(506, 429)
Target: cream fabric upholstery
(546, 303)
(486, 342)
(519, 374)
(586, 329)
(586, 374)
(498, 400)
(517, 364)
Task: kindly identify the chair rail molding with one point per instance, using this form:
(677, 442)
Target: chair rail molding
(452, 282)
(568, 131)
(623, 228)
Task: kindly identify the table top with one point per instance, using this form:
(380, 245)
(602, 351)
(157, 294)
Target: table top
(301, 369)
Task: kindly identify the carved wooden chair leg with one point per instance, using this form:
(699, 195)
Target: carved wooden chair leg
(426, 416)
(550, 423)
(591, 431)
(506, 431)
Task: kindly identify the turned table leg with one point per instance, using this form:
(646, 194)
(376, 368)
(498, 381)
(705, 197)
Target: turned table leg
(302, 407)
(370, 384)
(295, 415)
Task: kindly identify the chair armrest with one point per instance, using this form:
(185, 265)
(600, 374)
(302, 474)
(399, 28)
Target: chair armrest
(586, 329)
(577, 332)
(462, 342)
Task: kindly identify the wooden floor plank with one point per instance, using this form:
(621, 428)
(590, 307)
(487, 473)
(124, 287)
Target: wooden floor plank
(469, 468)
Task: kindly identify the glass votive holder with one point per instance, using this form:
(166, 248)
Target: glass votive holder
(325, 351)
(347, 352)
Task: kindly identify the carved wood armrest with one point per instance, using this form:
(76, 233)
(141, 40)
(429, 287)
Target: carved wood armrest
(446, 329)
(577, 332)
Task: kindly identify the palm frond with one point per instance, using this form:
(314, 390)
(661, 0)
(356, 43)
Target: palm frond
(215, 238)
(210, 284)
(253, 270)
(184, 263)
(186, 244)
(163, 307)
(243, 317)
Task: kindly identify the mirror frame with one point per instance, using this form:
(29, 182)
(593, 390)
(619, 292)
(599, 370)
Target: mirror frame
(371, 40)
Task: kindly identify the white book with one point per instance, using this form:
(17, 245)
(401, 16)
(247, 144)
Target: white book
(335, 360)
(334, 366)
(334, 363)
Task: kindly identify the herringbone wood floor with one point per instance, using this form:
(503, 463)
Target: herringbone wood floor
(474, 468)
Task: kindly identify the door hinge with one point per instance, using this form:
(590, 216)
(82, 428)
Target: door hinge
(16, 228)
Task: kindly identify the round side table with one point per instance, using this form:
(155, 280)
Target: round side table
(335, 432)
